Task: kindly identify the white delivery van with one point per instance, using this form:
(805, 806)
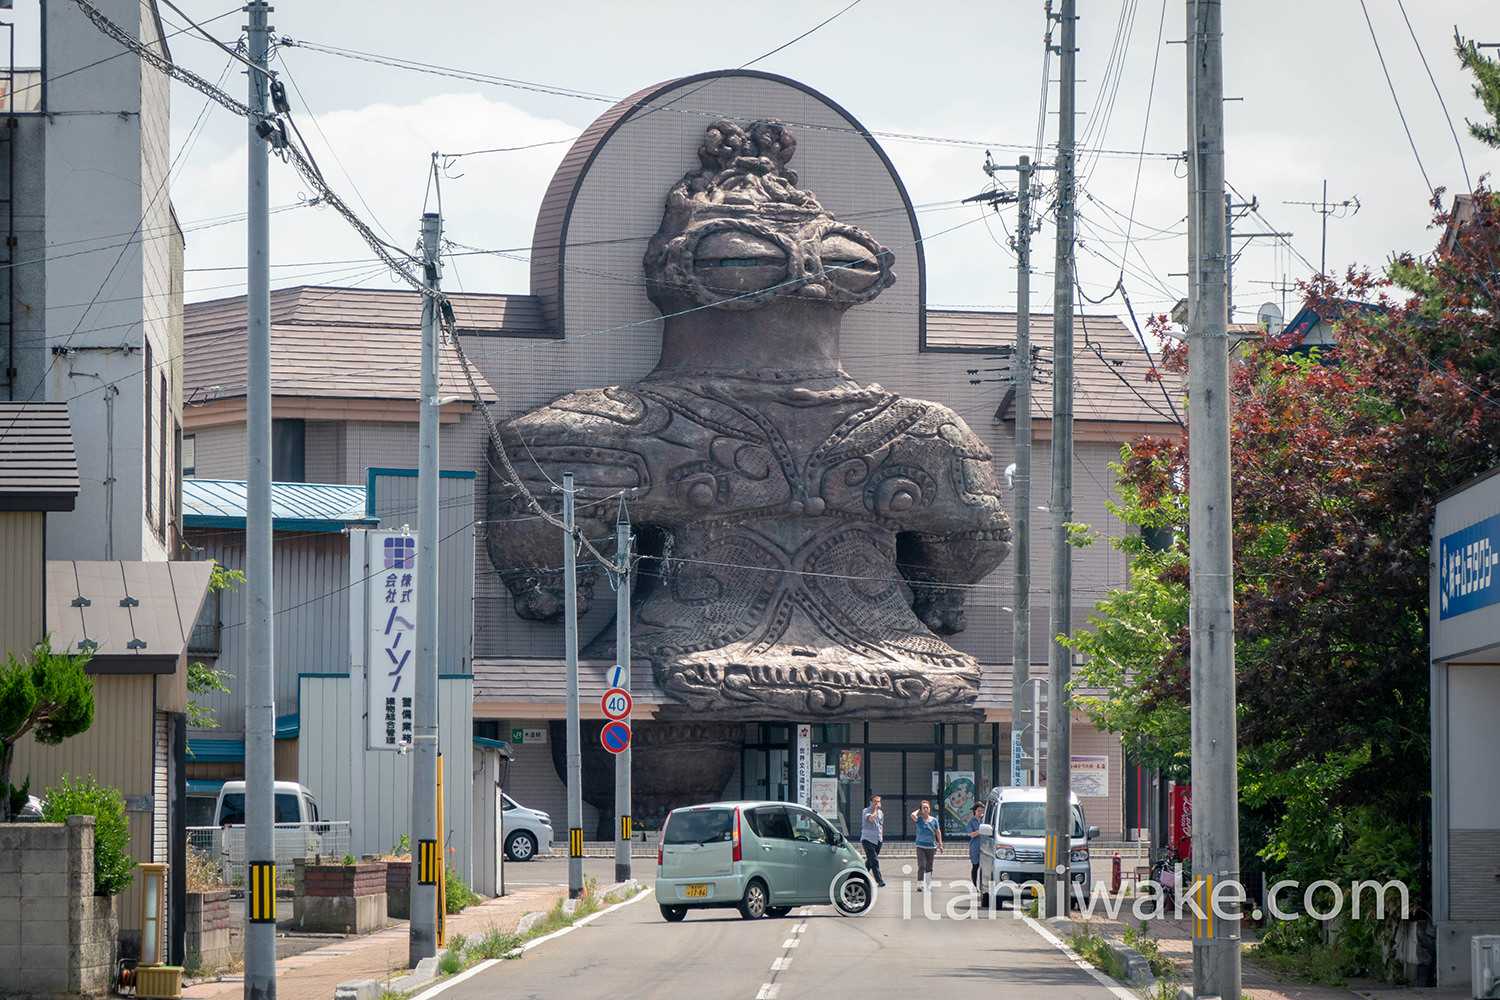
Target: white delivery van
(297, 831)
(1013, 844)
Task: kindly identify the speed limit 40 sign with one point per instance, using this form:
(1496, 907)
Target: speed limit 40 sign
(615, 703)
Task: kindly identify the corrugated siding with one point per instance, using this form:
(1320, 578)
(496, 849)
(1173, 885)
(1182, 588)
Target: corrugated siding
(117, 751)
(325, 750)
(311, 633)
(23, 568)
(1473, 861)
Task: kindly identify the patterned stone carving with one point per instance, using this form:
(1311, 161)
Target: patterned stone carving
(818, 534)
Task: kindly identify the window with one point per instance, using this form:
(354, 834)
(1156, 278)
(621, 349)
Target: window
(771, 821)
(697, 826)
(205, 638)
(288, 451)
(146, 437)
(806, 826)
(189, 456)
(161, 461)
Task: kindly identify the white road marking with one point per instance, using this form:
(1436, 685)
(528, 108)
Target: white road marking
(781, 963)
(790, 943)
(798, 929)
(1060, 945)
(768, 992)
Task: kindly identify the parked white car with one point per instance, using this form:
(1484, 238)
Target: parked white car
(527, 831)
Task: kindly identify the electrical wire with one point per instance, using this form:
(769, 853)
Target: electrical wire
(1392, 87)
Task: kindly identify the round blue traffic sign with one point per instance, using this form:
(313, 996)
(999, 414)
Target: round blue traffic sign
(615, 737)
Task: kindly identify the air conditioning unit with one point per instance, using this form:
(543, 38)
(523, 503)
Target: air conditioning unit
(1484, 966)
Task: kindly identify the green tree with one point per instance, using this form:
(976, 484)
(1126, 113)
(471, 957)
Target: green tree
(50, 697)
(1486, 88)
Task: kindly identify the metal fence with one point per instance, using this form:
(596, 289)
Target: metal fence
(224, 847)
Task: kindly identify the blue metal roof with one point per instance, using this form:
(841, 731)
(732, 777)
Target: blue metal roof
(221, 503)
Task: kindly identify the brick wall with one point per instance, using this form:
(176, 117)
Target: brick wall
(56, 936)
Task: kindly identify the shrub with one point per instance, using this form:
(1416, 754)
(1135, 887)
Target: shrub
(113, 869)
(459, 895)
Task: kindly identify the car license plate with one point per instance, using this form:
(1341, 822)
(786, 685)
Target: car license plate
(695, 891)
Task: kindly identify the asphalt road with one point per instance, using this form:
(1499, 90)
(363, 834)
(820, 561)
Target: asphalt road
(909, 944)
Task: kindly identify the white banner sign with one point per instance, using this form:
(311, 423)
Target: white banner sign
(391, 670)
(804, 764)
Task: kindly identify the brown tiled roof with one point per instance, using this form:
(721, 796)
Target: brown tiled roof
(1110, 366)
(355, 343)
(38, 468)
(135, 616)
(545, 682)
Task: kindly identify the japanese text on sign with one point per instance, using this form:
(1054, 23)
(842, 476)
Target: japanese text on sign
(392, 591)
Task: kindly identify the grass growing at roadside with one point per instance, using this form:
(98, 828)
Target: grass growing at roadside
(463, 952)
(1161, 965)
(1096, 950)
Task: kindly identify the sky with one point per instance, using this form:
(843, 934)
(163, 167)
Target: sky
(1308, 101)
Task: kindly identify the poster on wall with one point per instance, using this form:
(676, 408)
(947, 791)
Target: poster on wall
(825, 797)
(390, 685)
(1091, 777)
(959, 797)
(851, 765)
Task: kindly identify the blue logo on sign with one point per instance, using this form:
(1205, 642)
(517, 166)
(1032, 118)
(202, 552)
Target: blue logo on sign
(1467, 564)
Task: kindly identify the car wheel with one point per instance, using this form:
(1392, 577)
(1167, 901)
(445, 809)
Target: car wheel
(520, 846)
(778, 911)
(753, 906)
(672, 914)
(853, 895)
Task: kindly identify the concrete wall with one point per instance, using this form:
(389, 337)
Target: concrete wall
(56, 936)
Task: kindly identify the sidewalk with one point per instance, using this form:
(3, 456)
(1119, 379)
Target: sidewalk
(313, 975)
(1174, 939)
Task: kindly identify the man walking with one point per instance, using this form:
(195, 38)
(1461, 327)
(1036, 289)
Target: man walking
(871, 835)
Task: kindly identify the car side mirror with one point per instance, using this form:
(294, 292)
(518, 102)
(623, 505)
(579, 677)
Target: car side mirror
(1093, 832)
(985, 830)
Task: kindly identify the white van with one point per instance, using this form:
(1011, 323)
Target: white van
(1013, 844)
(297, 832)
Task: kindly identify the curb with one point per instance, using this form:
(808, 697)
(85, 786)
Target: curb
(426, 974)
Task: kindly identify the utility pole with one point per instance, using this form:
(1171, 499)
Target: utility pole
(260, 667)
(1021, 552)
(423, 933)
(570, 651)
(1060, 671)
(622, 657)
(1324, 209)
(1216, 852)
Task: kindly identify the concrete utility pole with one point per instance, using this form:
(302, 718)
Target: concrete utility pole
(1060, 671)
(1021, 552)
(1216, 851)
(423, 934)
(570, 651)
(260, 667)
(1230, 208)
(622, 657)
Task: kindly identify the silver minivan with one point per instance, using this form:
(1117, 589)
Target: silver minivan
(762, 858)
(1013, 844)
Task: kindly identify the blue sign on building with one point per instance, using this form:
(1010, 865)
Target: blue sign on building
(1467, 564)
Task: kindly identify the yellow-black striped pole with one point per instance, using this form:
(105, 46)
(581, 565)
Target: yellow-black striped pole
(575, 843)
(625, 828)
(1203, 913)
(262, 892)
(427, 862)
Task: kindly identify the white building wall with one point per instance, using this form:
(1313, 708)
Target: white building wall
(105, 199)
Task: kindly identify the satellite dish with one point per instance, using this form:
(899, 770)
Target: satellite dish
(1268, 317)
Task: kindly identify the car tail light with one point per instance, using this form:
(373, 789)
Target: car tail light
(736, 835)
(658, 854)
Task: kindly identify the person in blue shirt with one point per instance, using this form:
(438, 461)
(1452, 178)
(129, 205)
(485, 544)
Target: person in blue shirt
(871, 836)
(929, 842)
(972, 828)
